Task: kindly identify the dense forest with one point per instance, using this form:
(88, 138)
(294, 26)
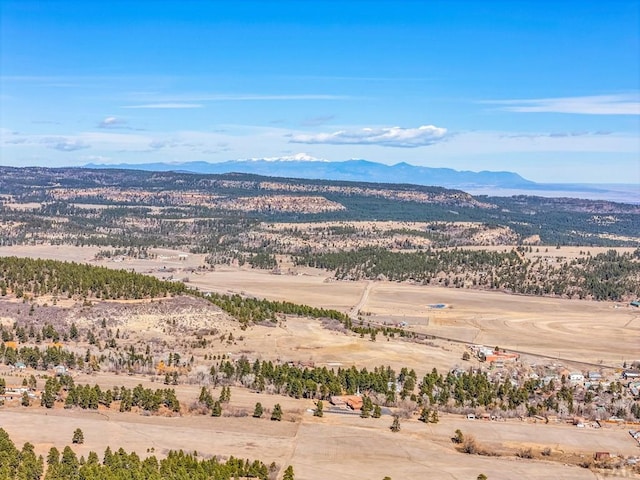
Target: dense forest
(34, 277)
(606, 276)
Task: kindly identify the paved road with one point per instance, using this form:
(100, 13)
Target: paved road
(425, 336)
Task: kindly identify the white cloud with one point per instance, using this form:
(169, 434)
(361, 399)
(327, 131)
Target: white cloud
(164, 105)
(623, 104)
(492, 142)
(112, 122)
(386, 136)
(172, 143)
(66, 144)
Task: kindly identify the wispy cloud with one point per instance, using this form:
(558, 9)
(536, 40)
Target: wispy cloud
(501, 142)
(557, 134)
(316, 121)
(387, 137)
(160, 144)
(66, 145)
(112, 122)
(195, 99)
(621, 104)
(251, 96)
(164, 105)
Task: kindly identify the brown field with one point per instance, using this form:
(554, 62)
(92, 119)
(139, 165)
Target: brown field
(336, 446)
(342, 446)
(565, 329)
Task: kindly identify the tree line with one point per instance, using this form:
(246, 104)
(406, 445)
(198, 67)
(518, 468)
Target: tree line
(26, 276)
(91, 397)
(307, 382)
(23, 464)
(606, 276)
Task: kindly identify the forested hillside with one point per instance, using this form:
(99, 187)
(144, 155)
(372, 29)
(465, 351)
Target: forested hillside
(606, 276)
(34, 277)
(150, 208)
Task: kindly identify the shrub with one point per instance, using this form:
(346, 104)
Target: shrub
(470, 446)
(525, 453)
(78, 436)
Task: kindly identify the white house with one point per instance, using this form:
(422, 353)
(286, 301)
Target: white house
(576, 377)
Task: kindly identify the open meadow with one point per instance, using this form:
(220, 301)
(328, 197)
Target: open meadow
(338, 445)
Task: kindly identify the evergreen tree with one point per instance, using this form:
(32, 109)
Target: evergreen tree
(78, 436)
(318, 411)
(395, 426)
(31, 467)
(276, 414)
(206, 397)
(367, 407)
(434, 417)
(258, 410)
(73, 332)
(288, 474)
(53, 458)
(425, 414)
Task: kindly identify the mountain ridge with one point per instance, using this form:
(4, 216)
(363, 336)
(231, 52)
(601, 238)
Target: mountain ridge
(350, 170)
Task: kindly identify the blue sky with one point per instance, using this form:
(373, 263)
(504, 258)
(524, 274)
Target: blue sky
(550, 90)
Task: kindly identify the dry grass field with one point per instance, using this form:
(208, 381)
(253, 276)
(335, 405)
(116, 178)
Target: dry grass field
(567, 329)
(336, 446)
(340, 446)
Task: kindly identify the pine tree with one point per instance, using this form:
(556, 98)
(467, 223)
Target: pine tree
(318, 411)
(257, 412)
(367, 406)
(205, 397)
(288, 474)
(434, 417)
(78, 436)
(53, 458)
(395, 426)
(425, 415)
(276, 414)
(216, 410)
(73, 332)
(225, 395)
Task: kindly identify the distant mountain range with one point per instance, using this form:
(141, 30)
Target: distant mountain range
(476, 183)
(350, 170)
